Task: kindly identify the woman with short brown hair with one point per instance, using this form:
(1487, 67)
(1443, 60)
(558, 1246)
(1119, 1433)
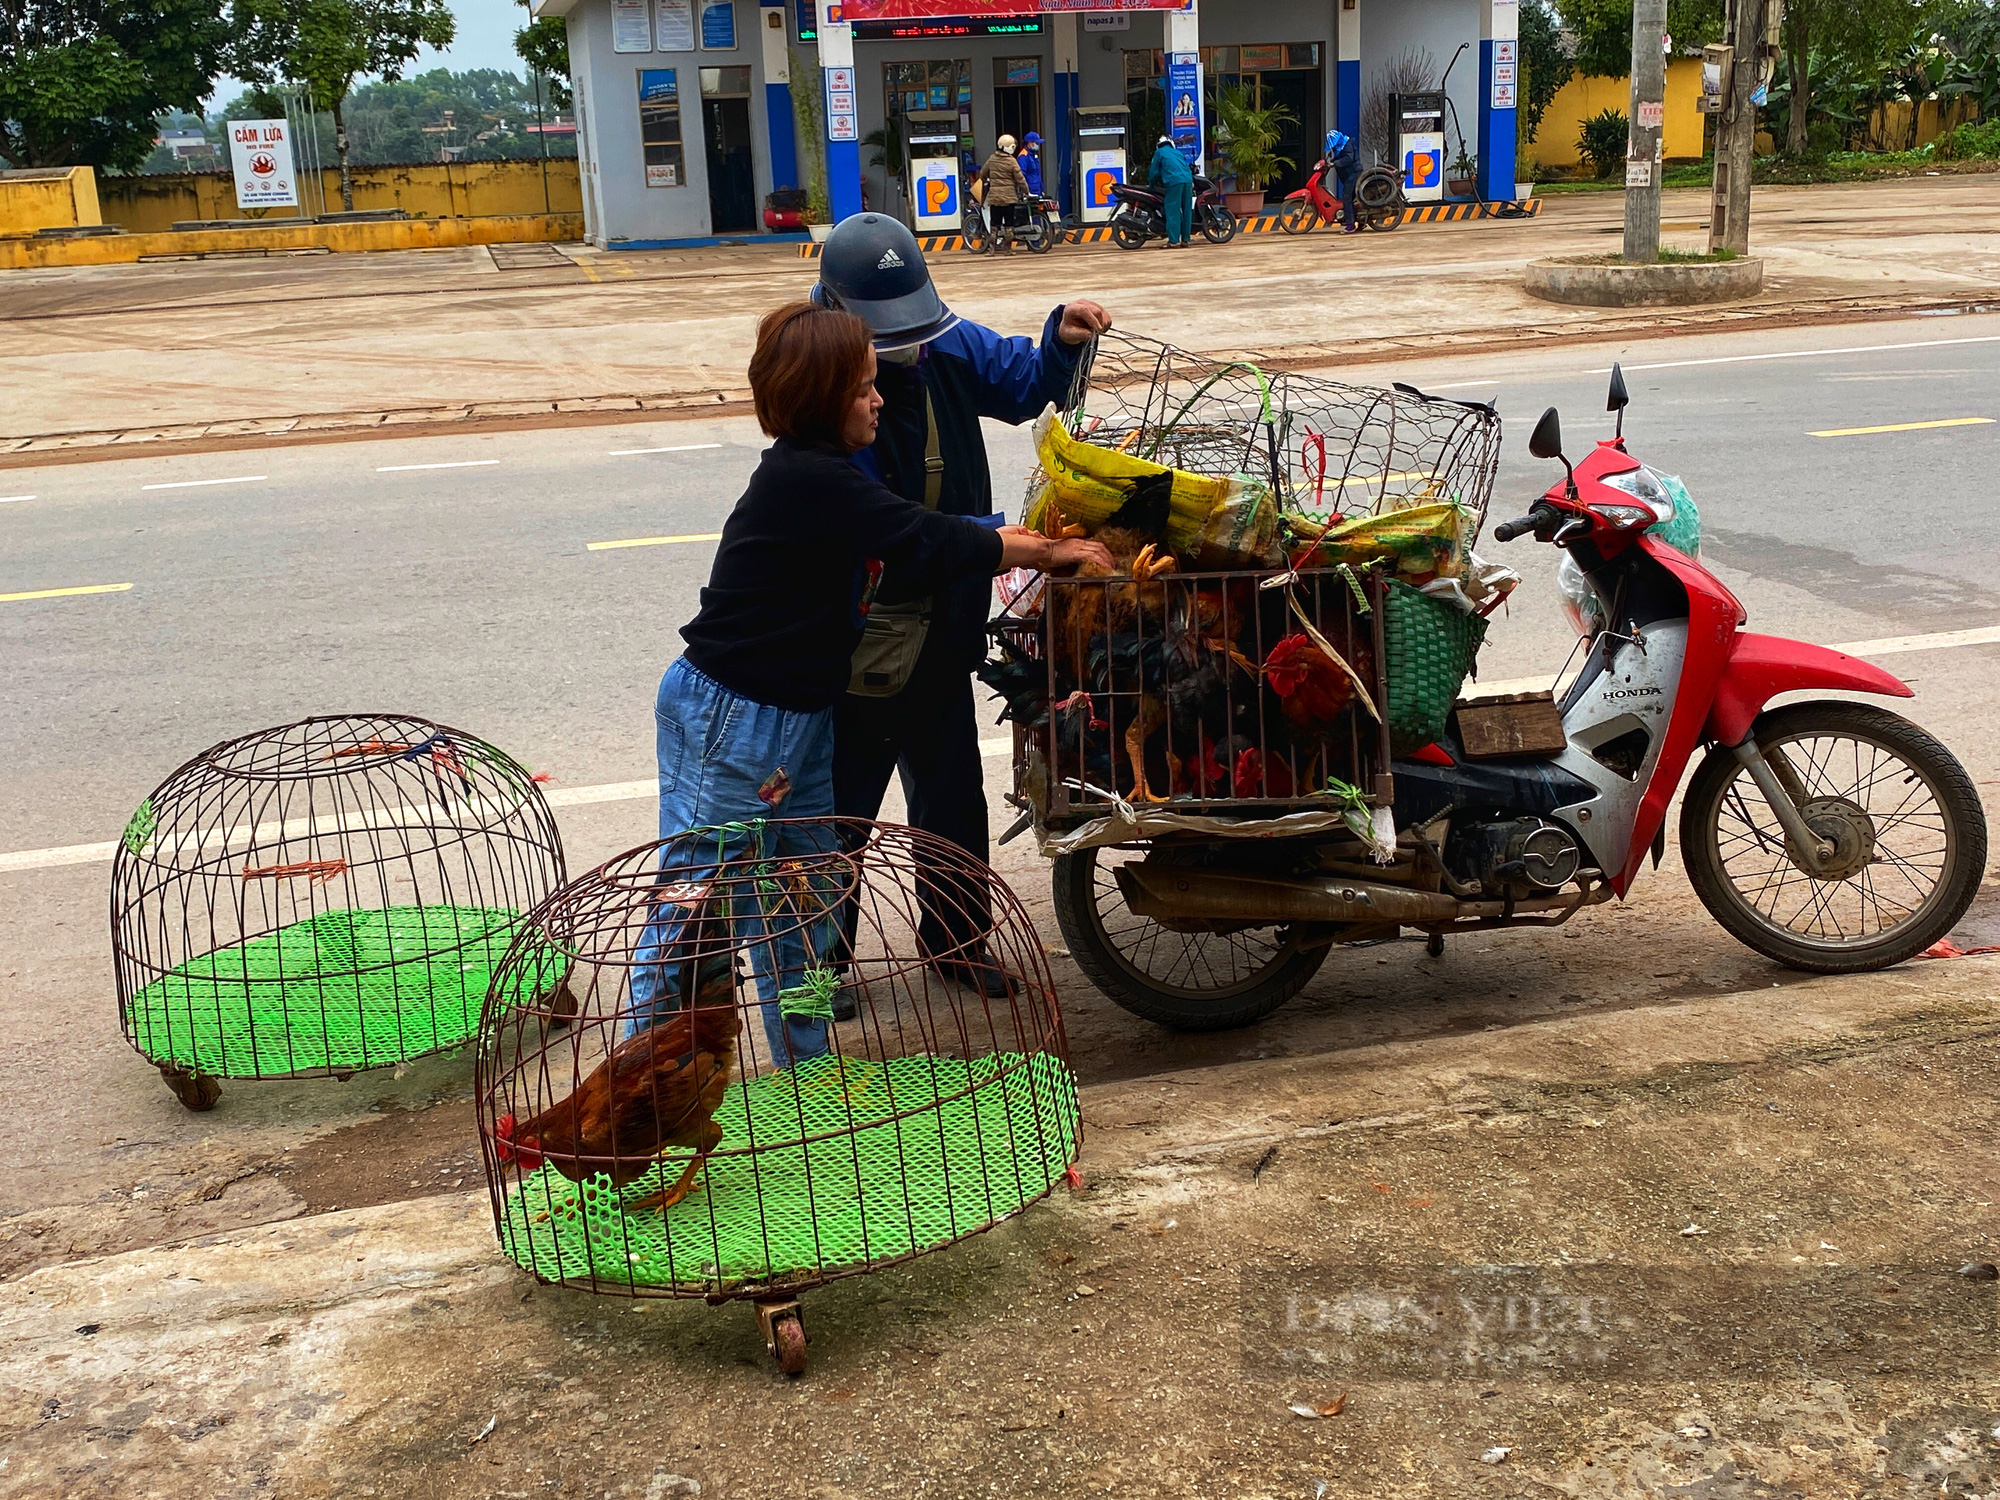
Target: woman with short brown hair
(744, 719)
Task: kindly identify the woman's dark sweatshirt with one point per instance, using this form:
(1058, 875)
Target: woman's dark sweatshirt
(795, 573)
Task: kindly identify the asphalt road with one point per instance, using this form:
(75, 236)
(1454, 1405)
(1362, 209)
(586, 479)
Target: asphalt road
(255, 587)
(464, 579)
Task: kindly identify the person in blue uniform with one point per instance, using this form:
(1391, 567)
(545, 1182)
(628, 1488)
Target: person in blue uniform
(1031, 162)
(1343, 159)
(938, 376)
(1173, 179)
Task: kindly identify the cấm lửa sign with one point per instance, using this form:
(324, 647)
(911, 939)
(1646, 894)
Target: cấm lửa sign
(261, 152)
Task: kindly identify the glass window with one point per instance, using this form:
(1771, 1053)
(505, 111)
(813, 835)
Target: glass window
(1139, 64)
(660, 127)
(725, 83)
(1255, 58)
(1302, 54)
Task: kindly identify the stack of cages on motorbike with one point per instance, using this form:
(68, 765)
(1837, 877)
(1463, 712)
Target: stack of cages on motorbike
(1231, 697)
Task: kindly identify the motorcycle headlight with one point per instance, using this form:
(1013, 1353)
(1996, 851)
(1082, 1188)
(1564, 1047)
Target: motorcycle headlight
(1626, 516)
(1643, 485)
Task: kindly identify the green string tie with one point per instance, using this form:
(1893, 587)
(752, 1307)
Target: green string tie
(144, 821)
(812, 999)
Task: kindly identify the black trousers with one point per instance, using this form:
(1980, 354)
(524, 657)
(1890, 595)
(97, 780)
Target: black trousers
(929, 734)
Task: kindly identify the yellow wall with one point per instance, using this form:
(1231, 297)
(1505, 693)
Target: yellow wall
(153, 204)
(25, 252)
(1554, 144)
(47, 198)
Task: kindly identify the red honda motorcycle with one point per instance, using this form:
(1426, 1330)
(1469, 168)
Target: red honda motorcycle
(1829, 835)
(1378, 201)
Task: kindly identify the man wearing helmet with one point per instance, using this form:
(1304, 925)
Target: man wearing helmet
(1031, 162)
(910, 708)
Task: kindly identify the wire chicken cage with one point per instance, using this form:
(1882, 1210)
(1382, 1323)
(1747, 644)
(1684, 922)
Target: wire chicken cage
(683, 1137)
(322, 898)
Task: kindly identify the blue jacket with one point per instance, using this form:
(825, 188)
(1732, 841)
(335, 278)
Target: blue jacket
(1169, 166)
(970, 372)
(1031, 168)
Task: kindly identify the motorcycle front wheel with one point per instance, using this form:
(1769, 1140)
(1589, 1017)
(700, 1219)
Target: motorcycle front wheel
(1298, 216)
(1218, 226)
(1908, 835)
(1184, 981)
(973, 230)
(1128, 233)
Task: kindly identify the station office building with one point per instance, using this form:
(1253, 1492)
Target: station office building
(690, 111)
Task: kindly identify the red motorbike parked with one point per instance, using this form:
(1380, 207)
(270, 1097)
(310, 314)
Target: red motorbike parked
(1829, 835)
(1378, 201)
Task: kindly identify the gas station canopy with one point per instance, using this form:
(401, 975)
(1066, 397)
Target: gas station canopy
(901, 10)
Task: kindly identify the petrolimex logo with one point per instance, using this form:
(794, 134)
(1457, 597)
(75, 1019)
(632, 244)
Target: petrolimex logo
(1421, 168)
(940, 196)
(1098, 185)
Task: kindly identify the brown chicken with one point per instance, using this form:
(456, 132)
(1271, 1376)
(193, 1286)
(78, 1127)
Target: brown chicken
(657, 1089)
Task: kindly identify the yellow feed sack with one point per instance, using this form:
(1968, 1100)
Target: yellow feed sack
(1423, 539)
(1089, 484)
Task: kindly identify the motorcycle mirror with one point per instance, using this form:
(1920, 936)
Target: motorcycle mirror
(1617, 400)
(1546, 441)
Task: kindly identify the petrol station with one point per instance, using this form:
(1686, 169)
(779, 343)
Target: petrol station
(690, 112)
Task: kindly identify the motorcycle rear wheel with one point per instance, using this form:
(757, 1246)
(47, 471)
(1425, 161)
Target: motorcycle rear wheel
(1218, 226)
(1128, 235)
(1901, 812)
(1183, 981)
(1035, 235)
(1298, 217)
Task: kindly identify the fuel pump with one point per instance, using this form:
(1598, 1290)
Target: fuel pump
(931, 171)
(1100, 159)
(1419, 121)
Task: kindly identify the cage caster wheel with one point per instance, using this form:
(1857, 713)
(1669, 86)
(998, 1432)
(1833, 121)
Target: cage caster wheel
(1434, 945)
(784, 1334)
(196, 1091)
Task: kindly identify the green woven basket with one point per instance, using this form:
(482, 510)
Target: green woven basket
(1431, 645)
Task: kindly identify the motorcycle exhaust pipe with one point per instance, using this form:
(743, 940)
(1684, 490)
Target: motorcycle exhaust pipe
(1170, 893)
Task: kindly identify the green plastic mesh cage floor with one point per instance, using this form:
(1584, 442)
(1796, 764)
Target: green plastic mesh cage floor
(344, 989)
(796, 1212)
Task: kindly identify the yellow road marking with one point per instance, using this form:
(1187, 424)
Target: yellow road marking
(588, 270)
(89, 588)
(1902, 427)
(653, 541)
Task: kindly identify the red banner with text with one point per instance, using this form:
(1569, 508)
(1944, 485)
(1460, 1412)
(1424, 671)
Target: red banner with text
(903, 10)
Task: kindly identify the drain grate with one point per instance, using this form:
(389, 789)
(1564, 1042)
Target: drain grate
(527, 257)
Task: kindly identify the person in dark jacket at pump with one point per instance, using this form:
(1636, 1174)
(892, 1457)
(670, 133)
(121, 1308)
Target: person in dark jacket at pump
(910, 712)
(1343, 159)
(744, 722)
(1172, 178)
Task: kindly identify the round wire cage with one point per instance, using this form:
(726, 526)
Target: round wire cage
(321, 898)
(1321, 447)
(742, 1143)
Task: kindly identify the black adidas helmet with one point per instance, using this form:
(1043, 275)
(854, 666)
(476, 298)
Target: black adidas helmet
(871, 266)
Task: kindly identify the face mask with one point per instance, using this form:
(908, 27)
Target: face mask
(900, 356)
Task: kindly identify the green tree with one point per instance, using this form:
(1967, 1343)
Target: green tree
(327, 44)
(1604, 31)
(1544, 65)
(544, 46)
(81, 81)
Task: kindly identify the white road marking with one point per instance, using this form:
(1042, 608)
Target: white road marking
(1739, 359)
(683, 448)
(9, 499)
(639, 791)
(1459, 385)
(464, 463)
(191, 484)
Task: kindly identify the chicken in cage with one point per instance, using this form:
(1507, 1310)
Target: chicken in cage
(321, 898)
(705, 1128)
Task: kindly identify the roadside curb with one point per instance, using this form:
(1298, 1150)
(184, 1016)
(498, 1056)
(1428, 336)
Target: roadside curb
(36, 450)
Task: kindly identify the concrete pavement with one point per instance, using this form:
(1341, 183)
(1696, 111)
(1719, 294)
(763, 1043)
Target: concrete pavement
(336, 345)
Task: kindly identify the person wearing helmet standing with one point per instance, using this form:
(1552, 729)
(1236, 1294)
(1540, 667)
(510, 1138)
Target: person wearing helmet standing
(1006, 189)
(1173, 179)
(1343, 159)
(909, 707)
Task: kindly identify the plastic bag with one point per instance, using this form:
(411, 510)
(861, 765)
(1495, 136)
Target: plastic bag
(1423, 541)
(1090, 484)
(1242, 533)
(1683, 532)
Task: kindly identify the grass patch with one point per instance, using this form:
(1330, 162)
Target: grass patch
(1694, 257)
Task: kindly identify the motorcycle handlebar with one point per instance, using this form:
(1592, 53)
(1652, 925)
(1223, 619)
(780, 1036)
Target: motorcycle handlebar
(1542, 513)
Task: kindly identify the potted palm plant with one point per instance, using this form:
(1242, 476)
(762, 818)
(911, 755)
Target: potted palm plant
(1248, 139)
(1463, 175)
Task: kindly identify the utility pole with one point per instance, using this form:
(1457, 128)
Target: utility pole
(1750, 36)
(1642, 150)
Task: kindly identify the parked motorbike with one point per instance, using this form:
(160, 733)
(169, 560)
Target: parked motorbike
(1378, 200)
(1142, 215)
(1030, 230)
(1830, 836)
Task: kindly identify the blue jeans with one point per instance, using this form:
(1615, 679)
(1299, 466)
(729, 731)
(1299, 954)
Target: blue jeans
(725, 762)
(1180, 211)
(1346, 169)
